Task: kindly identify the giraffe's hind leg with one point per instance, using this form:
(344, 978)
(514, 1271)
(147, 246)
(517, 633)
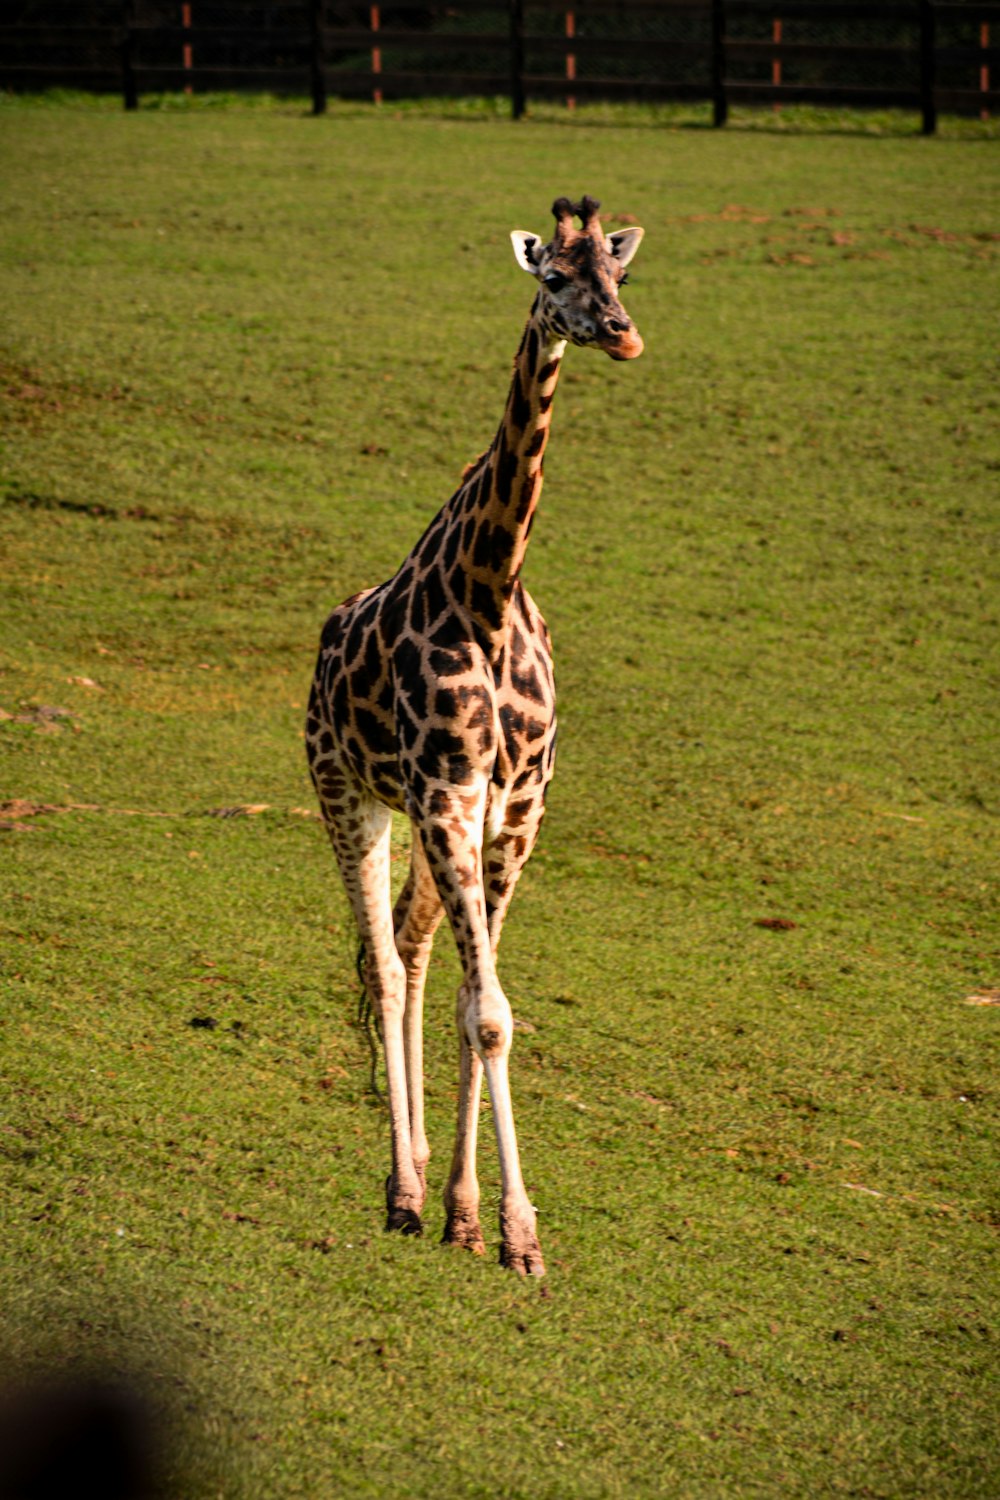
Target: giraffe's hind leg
(417, 914)
(461, 1198)
(359, 829)
(415, 918)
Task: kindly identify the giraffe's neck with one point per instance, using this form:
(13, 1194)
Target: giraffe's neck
(492, 511)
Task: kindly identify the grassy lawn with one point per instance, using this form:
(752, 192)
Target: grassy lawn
(244, 355)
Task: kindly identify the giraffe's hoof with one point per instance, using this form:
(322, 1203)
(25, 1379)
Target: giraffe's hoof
(526, 1260)
(404, 1220)
(519, 1248)
(400, 1216)
(462, 1228)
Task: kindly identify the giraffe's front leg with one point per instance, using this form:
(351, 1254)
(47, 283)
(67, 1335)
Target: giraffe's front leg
(519, 1249)
(503, 862)
(452, 838)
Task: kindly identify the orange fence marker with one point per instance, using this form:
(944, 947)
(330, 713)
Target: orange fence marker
(188, 54)
(776, 62)
(376, 20)
(570, 57)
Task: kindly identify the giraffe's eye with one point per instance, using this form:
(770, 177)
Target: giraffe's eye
(624, 278)
(554, 281)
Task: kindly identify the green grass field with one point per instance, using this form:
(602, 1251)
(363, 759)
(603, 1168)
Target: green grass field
(245, 355)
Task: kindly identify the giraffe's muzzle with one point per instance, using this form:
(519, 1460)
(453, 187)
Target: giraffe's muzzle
(625, 344)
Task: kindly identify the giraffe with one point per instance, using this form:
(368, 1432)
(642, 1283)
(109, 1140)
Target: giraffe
(433, 696)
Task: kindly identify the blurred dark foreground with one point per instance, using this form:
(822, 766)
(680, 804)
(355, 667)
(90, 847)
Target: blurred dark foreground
(62, 1437)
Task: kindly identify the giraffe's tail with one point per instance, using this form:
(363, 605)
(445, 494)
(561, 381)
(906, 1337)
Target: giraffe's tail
(368, 1019)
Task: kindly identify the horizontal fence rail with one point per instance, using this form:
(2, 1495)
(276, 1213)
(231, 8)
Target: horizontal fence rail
(925, 55)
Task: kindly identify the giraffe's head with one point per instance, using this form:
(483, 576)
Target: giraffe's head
(580, 273)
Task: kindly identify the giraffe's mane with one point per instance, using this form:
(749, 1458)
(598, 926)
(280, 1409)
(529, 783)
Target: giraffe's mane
(471, 468)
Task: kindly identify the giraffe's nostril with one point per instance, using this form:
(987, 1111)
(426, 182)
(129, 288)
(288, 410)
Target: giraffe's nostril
(616, 325)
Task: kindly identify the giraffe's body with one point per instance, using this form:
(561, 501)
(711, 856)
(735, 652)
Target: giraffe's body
(434, 696)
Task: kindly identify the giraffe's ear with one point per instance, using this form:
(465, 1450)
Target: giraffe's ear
(527, 250)
(623, 243)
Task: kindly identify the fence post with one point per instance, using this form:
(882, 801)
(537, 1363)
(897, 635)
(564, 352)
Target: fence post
(317, 56)
(517, 58)
(720, 104)
(927, 48)
(375, 25)
(984, 71)
(187, 53)
(130, 93)
(570, 56)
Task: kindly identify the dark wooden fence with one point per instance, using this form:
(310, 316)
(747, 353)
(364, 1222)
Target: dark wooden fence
(925, 55)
